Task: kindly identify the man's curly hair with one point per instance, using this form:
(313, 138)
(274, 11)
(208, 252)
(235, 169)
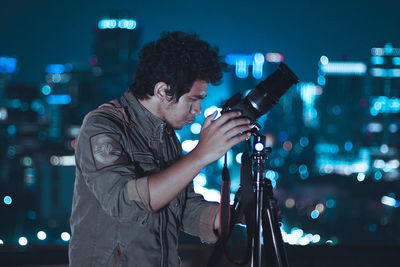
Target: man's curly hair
(178, 59)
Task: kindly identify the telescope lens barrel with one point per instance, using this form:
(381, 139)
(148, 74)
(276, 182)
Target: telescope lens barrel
(268, 92)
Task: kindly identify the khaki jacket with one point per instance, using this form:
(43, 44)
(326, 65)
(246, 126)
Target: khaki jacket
(119, 145)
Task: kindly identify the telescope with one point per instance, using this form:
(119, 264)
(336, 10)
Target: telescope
(266, 94)
(255, 196)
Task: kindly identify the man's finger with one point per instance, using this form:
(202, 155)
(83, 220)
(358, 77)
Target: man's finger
(237, 139)
(239, 122)
(227, 116)
(209, 119)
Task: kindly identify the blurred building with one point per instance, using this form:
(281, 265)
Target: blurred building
(115, 53)
(383, 103)
(339, 145)
(334, 160)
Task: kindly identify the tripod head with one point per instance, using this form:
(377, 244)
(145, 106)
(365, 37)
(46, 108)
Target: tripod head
(259, 145)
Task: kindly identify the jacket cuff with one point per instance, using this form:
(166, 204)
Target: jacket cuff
(138, 191)
(206, 223)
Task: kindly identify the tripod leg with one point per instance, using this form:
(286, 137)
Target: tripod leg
(273, 243)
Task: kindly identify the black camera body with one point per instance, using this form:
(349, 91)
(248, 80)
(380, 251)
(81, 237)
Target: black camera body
(266, 94)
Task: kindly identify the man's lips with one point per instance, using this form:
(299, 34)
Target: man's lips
(189, 121)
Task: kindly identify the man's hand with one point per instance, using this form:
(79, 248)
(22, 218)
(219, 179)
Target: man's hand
(218, 136)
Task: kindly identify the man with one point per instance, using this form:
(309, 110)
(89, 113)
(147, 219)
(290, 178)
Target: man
(133, 188)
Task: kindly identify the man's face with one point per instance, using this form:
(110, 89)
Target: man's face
(188, 106)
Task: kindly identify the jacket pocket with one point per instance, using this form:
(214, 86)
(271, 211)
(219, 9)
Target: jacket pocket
(145, 163)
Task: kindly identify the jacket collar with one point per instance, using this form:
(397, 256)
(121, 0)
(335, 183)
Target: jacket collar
(150, 124)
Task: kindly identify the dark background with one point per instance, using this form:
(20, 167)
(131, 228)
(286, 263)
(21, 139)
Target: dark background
(44, 32)
(313, 163)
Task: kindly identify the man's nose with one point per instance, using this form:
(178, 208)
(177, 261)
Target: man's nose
(196, 108)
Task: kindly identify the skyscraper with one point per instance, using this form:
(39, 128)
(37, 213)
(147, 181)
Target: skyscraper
(115, 52)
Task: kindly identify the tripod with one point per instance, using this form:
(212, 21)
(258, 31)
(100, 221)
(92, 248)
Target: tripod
(255, 198)
(266, 213)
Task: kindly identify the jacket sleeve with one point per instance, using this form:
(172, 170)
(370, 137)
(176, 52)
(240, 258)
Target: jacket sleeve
(108, 171)
(199, 216)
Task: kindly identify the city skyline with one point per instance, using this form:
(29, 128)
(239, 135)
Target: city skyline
(335, 158)
(47, 33)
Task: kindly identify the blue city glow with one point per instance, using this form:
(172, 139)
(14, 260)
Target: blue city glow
(374, 127)
(324, 60)
(384, 148)
(128, 24)
(360, 177)
(396, 61)
(195, 128)
(14, 103)
(200, 180)
(348, 146)
(330, 163)
(390, 201)
(46, 90)
(7, 200)
(242, 69)
(283, 136)
(3, 113)
(309, 92)
(326, 148)
(388, 50)
(238, 158)
(321, 80)
(41, 235)
(394, 72)
(55, 68)
(68, 67)
(330, 203)
(377, 51)
(232, 59)
(344, 68)
(229, 159)
(211, 110)
(38, 106)
(23, 241)
(297, 236)
(314, 214)
(337, 110)
(189, 145)
(303, 168)
(304, 141)
(379, 72)
(383, 104)
(378, 175)
(377, 60)
(271, 175)
(242, 63)
(12, 129)
(58, 99)
(65, 236)
(258, 65)
(8, 65)
(178, 136)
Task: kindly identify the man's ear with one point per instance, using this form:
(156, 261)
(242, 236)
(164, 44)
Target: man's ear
(160, 91)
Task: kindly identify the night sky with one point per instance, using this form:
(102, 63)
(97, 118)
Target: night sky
(41, 32)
